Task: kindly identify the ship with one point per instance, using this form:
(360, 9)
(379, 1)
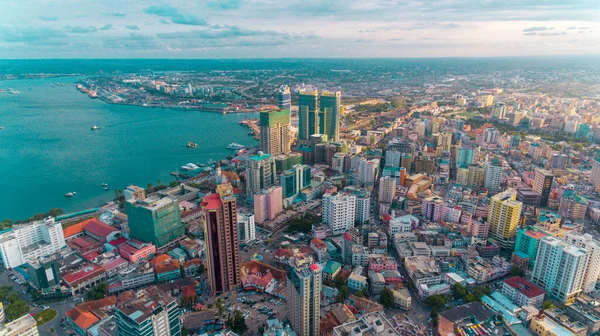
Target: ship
(236, 146)
(189, 167)
(70, 194)
(191, 145)
(11, 91)
(95, 128)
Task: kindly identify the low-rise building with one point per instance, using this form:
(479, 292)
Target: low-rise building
(402, 298)
(23, 326)
(523, 292)
(84, 278)
(166, 268)
(371, 324)
(135, 250)
(422, 270)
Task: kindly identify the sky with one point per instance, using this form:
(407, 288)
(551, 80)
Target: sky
(297, 28)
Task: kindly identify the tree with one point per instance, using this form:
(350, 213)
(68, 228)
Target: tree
(54, 212)
(343, 294)
(201, 269)
(470, 297)
(459, 290)
(97, 292)
(237, 322)
(16, 309)
(261, 330)
(515, 271)
(387, 298)
(436, 301)
(220, 307)
(547, 305)
(339, 282)
(363, 292)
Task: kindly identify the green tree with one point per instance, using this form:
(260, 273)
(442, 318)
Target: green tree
(97, 293)
(470, 297)
(436, 301)
(16, 309)
(237, 322)
(339, 282)
(547, 305)
(515, 271)
(201, 269)
(220, 307)
(459, 290)
(54, 212)
(261, 329)
(343, 294)
(387, 298)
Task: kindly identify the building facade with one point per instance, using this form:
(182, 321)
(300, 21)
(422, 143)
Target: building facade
(154, 220)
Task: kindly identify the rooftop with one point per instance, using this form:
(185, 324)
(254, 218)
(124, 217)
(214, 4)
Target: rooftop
(368, 325)
(526, 287)
(140, 305)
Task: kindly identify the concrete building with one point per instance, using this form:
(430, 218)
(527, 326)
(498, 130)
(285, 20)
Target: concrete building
(492, 174)
(222, 239)
(304, 295)
(371, 324)
(572, 206)
(308, 115)
(260, 173)
(504, 214)
(523, 292)
(528, 242)
(542, 184)
(387, 189)
(592, 271)
(339, 211)
(275, 136)
(246, 228)
(268, 204)
(154, 220)
(23, 326)
(434, 208)
(294, 180)
(31, 241)
(595, 174)
(560, 268)
(330, 114)
(367, 172)
(147, 312)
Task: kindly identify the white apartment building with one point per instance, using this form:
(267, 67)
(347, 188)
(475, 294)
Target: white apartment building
(247, 228)
(402, 224)
(392, 158)
(492, 174)
(362, 208)
(387, 189)
(339, 212)
(23, 326)
(592, 270)
(31, 240)
(560, 268)
(367, 172)
(595, 174)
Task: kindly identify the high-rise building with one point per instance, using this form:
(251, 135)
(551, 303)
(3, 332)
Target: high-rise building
(284, 97)
(444, 141)
(490, 136)
(367, 172)
(387, 189)
(492, 175)
(268, 204)
(44, 272)
(363, 203)
(465, 156)
(560, 268)
(434, 208)
(475, 175)
(330, 114)
(154, 220)
(515, 142)
(542, 184)
(147, 312)
(295, 180)
(572, 206)
(499, 110)
(222, 239)
(275, 132)
(592, 271)
(246, 228)
(559, 161)
(304, 295)
(595, 174)
(31, 241)
(339, 211)
(504, 214)
(260, 173)
(308, 115)
(528, 242)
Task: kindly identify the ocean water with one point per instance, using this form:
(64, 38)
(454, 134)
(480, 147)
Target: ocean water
(47, 147)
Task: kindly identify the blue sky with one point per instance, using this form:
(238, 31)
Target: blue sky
(297, 28)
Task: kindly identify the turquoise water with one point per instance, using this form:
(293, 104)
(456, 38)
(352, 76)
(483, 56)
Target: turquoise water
(47, 147)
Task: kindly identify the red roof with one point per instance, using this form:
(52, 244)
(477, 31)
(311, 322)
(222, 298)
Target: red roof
(83, 320)
(188, 291)
(83, 242)
(211, 202)
(118, 241)
(114, 263)
(318, 243)
(98, 228)
(90, 255)
(127, 249)
(526, 287)
(314, 267)
(347, 236)
(74, 229)
(535, 234)
(87, 272)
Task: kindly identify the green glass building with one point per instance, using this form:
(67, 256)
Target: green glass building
(308, 115)
(155, 220)
(528, 242)
(275, 131)
(330, 114)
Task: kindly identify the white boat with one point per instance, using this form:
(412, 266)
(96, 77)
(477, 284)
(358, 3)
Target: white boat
(189, 167)
(94, 128)
(70, 194)
(235, 146)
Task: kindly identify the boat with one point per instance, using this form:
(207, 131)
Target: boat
(11, 91)
(105, 188)
(95, 128)
(105, 184)
(251, 133)
(236, 146)
(189, 167)
(70, 194)
(1, 128)
(191, 145)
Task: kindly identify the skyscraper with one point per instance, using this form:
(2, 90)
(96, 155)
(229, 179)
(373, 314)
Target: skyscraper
(260, 173)
(222, 240)
(154, 219)
(308, 115)
(284, 97)
(595, 174)
(444, 141)
(542, 184)
(465, 156)
(528, 242)
(387, 189)
(339, 211)
(493, 174)
(275, 132)
(268, 204)
(592, 271)
(295, 180)
(330, 114)
(560, 268)
(304, 295)
(503, 215)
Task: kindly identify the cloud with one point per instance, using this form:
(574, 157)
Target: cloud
(395, 39)
(537, 29)
(224, 33)
(33, 35)
(117, 14)
(577, 28)
(132, 27)
(81, 30)
(451, 25)
(225, 4)
(106, 27)
(175, 16)
(552, 34)
(48, 18)
(133, 41)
